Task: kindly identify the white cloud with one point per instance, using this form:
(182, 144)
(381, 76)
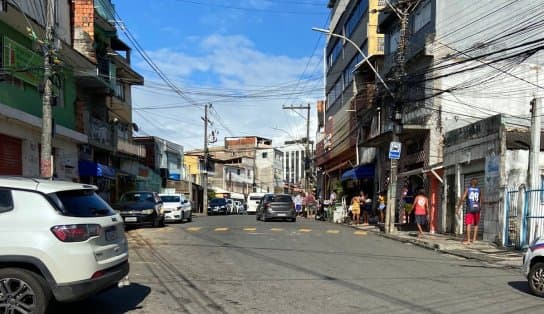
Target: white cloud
(227, 65)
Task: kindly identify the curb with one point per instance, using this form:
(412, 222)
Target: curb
(440, 248)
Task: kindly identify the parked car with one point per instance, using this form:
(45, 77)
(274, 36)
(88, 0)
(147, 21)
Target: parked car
(533, 267)
(239, 207)
(231, 207)
(217, 206)
(65, 243)
(176, 207)
(141, 207)
(276, 206)
(253, 200)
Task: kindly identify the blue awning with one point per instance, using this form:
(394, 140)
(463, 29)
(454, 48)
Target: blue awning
(359, 172)
(93, 169)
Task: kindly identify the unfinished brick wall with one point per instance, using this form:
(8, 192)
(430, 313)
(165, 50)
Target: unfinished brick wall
(83, 19)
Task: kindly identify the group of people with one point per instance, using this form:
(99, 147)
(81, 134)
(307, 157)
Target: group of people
(361, 204)
(305, 204)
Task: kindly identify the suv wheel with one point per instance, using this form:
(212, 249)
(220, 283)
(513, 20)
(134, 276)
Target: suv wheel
(22, 291)
(536, 279)
(158, 222)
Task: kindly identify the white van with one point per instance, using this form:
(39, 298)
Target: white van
(253, 200)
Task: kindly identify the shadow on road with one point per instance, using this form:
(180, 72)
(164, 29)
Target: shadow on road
(521, 286)
(115, 301)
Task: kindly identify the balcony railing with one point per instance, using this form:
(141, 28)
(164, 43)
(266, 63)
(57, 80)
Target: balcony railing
(127, 147)
(101, 133)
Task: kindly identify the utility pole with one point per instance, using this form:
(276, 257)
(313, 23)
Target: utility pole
(307, 146)
(402, 8)
(205, 172)
(46, 158)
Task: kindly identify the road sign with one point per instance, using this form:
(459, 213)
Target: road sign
(394, 150)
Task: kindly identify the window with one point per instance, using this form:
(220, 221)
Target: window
(82, 203)
(394, 38)
(335, 53)
(380, 44)
(356, 16)
(265, 155)
(381, 3)
(335, 92)
(348, 72)
(238, 171)
(6, 201)
(422, 16)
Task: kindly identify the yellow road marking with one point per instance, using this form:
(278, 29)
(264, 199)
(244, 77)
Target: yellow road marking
(221, 229)
(276, 229)
(333, 231)
(250, 229)
(193, 229)
(360, 233)
(305, 230)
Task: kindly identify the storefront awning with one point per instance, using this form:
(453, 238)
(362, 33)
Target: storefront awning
(359, 172)
(93, 169)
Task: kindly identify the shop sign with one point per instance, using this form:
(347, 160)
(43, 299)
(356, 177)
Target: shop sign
(22, 62)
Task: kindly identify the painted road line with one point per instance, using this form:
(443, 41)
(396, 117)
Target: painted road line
(276, 229)
(360, 232)
(193, 229)
(221, 229)
(333, 231)
(304, 230)
(250, 229)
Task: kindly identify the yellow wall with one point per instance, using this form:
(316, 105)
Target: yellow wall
(191, 163)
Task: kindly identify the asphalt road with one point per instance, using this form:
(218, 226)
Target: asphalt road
(236, 264)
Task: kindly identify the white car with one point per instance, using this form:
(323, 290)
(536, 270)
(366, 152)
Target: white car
(176, 207)
(65, 243)
(533, 266)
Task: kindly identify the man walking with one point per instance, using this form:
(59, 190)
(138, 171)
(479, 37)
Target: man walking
(421, 209)
(473, 196)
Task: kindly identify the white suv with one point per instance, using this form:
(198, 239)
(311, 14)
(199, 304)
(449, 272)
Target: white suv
(533, 266)
(60, 240)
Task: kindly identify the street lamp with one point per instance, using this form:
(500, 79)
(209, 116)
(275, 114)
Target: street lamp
(365, 58)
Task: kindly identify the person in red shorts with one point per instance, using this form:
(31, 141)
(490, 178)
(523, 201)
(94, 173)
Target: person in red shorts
(473, 196)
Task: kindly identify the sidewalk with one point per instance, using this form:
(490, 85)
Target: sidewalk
(481, 250)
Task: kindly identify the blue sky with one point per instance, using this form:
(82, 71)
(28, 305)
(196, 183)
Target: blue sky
(247, 57)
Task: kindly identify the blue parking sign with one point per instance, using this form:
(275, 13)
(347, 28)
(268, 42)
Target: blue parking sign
(394, 150)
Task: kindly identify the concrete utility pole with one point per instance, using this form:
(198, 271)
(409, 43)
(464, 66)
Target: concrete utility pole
(534, 151)
(402, 9)
(205, 172)
(46, 158)
(307, 146)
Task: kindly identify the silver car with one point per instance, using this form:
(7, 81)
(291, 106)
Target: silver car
(276, 206)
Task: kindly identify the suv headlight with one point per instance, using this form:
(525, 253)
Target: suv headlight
(148, 211)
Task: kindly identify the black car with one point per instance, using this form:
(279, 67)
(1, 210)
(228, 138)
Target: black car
(276, 206)
(141, 207)
(217, 206)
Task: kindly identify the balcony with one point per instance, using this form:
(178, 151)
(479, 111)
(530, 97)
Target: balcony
(101, 134)
(126, 147)
(105, 9)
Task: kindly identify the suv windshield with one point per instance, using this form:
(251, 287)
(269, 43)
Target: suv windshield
(137, 197)
(170, 198)
(218, 202)
(82, 203)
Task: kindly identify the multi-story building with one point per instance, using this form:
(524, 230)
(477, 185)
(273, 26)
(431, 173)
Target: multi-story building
(92, 115)
(350, 92)
(268, 163)
(21, 75)
(233, 165)
(464, 61)
(295, 164)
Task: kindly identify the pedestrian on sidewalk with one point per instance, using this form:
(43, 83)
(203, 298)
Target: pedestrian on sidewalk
(364, 208)
(355, 209)
(421, 210)
(309, 200)
(473, 197)
(381, 206)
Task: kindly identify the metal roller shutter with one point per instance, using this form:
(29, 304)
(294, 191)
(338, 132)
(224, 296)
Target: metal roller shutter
(480, 176)
(11, 161)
